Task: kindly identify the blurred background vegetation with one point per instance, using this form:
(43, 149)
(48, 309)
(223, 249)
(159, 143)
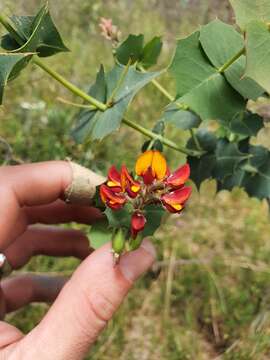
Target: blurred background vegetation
(208, 296)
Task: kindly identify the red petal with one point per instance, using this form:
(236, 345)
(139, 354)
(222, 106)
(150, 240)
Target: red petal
(114, 178)
(138, 222)
(179, 177)
(172, 209)
(131, 186)
(178, 196)
(148, 177)
(111, 198)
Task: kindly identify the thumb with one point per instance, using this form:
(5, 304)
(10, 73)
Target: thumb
(86, 303)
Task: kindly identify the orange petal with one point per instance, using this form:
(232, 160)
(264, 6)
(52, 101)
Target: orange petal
(159, 165)
(144, 161)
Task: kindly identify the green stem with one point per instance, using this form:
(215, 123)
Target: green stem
(231, 61)
(82, 106)
(110, 101)
(150, 134)
(74, 89)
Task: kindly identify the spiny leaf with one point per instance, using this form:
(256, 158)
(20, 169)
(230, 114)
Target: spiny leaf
(202, 88)
(153, 215)
(258, 56)
(131, 48)
(228, 157)
(10, 66)
(249, 10)
(182, 119)
(134, 50)
(221, 42)
(246, 124)
(96, 124)
(151, 52)
(201, 168)
(38, 33)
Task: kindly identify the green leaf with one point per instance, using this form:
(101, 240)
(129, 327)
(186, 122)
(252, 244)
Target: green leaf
(38, 34)
(258, 57)
(201, 168)
(131, 48)
(10, 66)
(237, 179)
(228, 157)
(151, 52)
(206, 139)
(220, 42)
(96, 124)
(202, 88)
(153, 215)
(249, 10)
(246, 87)
(246, 124)
(182, 119)
(118, 219)
(100, 234)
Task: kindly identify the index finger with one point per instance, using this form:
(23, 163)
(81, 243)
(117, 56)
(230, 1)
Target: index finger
(28, 185)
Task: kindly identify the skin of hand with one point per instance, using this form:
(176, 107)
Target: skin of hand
(82, 305)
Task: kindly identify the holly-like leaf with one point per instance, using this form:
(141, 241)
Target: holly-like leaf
(118, 219)
(221, 43)
(151, 52)
(153, 215)
(206, 139)
(247, 124)
(38, 34)
(246, 87)
(228, 157)
(201, 168)
(130, 49)
(182, 119)
(96, 124)
(10, 66)
(237, 179)
(258, 58)
(134, 50)
(203, 89)
(249, 10)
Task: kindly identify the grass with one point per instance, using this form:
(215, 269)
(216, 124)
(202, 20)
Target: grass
(208, 295)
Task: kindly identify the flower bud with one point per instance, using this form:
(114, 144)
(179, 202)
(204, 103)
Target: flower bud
(135, 243)
(118, 243)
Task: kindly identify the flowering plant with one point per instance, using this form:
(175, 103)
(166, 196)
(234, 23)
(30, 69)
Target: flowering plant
(217, 70)
(156, 186)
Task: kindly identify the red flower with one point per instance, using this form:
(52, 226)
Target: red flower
(138, 222)
(179, 177)
(151, 165)
(112, 199)
(128, 184)
(114, 179)
(174, 201)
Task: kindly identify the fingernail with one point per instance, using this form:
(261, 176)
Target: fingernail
(135, 263)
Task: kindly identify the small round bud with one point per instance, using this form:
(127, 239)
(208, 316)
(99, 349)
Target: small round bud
(118, 242)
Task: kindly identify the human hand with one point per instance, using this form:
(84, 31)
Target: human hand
(32, 194)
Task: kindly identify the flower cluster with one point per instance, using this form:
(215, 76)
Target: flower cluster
(109, 31)
(154, 184)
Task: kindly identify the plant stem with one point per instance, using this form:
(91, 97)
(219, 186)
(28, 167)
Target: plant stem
(74, 89)
(231, 61)
(82, 106)
(195, 139)
(150, 134)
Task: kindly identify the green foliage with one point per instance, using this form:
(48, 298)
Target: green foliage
(182, 119)
(37, 34)
(117, 92)
(10, 66)
(133, 49)
(258, 59)
(249, 10)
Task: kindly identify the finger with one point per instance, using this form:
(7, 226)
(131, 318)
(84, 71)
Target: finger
(59, 212)
(87, 302)
(29, 185)
(22, 290)
(47, 240)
